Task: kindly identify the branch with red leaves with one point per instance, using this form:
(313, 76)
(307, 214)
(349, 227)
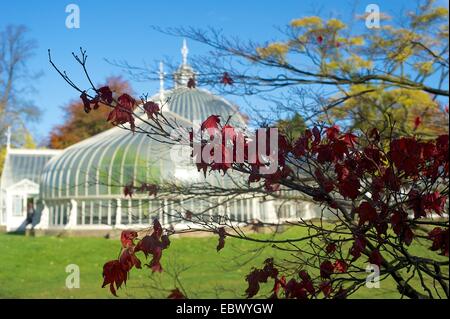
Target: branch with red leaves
(385, 195)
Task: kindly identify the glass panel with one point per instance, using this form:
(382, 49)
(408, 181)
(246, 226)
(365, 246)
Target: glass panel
(18, 209)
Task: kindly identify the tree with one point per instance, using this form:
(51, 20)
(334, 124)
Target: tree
(16, 84)
(330, 72)
(382, 187)
(77, 126)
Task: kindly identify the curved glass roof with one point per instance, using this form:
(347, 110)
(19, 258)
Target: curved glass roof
(98, 166)
(197, 104)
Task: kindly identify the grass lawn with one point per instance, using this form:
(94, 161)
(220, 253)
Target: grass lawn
(34, 267)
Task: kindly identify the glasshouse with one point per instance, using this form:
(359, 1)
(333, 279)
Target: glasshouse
(81, 187)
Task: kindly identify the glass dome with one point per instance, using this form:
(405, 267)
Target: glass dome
(91, 173)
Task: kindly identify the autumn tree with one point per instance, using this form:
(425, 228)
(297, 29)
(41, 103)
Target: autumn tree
(77, 126)
(326, 71)
(386, 187)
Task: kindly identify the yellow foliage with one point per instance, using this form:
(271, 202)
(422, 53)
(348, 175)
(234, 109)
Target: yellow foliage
(336, 24)
(431, 16)
(356, 41)
(402, 54)
(29, 141)
(355, 62)
(312, 21)
(403, 105)
(424, 68)
(276, 49)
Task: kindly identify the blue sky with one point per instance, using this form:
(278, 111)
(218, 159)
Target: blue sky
(121, 30)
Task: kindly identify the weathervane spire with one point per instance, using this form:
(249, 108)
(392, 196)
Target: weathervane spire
(184, 52)
(161, 80)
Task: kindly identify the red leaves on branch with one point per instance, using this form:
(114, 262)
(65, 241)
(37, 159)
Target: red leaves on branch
(115, 272)
(376, 258)
(86, 102)
(366, 213)
(211, 124)
(123, 111)
(440, 238)
(226, 79)
(332, 132)
(358, 247)
(151, 189)
(330, 248)
(151, 109)
(176, 294)
(401, 228)
(128, 259)
(191, 83)
(105, 94)
(257, 276)
(114, 275)
(423, 203)
(153, 245)
(340, 266)
(128, 190)
(326, 269)
(222, 234)
(417, 122)
(326, 288)
(127, 238)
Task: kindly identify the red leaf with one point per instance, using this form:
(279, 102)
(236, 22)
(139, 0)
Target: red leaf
(440, 238)
(211, 124)
(367, 213)
(376, 258)
(340, 266)
(226, 79)
(257, 276)
(331, 248)
(128, 190)
(176, 294)
(222, 234)
(358, 246)
(126, 102)
(127, 237)
(114, 274)
(320, 39)
(326, 288)
(128, 259)
(417, 122)
(332, 132)
(191, 83)
(350, 139)
(86, 102)
(151, 108)
(105, 94)
(326, 269)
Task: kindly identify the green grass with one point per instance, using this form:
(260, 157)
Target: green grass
(34, 267)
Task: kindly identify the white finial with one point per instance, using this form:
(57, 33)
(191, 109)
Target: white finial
(184, 52)
(8, 138)
(161, 80)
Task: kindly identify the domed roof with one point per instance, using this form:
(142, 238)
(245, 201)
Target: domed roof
(101, 164)
(196, 105)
